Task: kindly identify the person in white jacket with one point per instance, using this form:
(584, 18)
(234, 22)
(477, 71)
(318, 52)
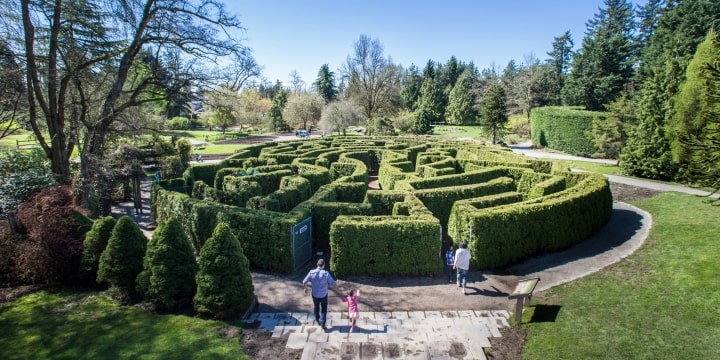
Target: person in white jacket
(462, 265)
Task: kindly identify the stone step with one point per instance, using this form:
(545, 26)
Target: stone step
(388, 335)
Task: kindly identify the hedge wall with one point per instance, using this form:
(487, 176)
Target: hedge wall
(498, 239)
(564, 129)
(384, 245)
(508, 206)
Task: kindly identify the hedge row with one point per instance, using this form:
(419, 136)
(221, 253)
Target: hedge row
(265, 236)
(506, 234)
(384, 245)
(563, 128)
(327, 181)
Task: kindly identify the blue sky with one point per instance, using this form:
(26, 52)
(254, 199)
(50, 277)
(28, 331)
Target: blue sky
(287, 35)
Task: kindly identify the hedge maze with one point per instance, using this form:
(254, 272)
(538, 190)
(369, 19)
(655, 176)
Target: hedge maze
(506, 206)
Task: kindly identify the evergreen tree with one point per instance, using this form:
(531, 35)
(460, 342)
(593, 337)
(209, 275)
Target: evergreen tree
(559, 65)
(432, 100)
(451, 73)
(695, 104)
(325, 84)
(680, 28)
(421, 124)
(169, 268)
(429, 71)
(494, 111)
(411, 86)
(703, 151)
(647, 151)
(611, 132)
(224, 285)
(122, 259)
(275, 114)
(603, 67)
(95, 242)
(461, 104)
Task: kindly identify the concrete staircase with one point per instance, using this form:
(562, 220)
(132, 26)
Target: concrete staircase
(389, 335)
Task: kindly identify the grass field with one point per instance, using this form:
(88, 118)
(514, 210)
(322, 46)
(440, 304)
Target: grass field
(87, 325)
(659, 303)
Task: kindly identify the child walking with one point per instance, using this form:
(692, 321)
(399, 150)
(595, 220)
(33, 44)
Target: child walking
(352, 300)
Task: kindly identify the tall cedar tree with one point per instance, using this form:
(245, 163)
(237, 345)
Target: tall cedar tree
(169, 268)
(679, 28)
(411, 85)
(461, 103)
(433, 100)
(95, 242)
(559, 63)
(325, 84)
(224, 284)
(647, 150)
(696, 106)
(604, 65)
(122, 259)
(494, 111)
(421, 122)
(704, 151)
(275, 114)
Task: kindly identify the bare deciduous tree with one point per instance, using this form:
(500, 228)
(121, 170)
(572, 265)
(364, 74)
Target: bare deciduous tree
(373, 81)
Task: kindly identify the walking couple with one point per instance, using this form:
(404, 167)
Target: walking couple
(319, 281)
(460, 262)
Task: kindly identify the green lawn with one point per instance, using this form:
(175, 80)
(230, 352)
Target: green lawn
(88, 325)
(659, 303)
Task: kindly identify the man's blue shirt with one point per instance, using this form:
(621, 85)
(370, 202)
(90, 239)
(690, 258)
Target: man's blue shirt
(319, 280)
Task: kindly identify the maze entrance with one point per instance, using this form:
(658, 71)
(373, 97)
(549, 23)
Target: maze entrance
(302, 242)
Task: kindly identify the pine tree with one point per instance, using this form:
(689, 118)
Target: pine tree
(647, 152)
(325, 84)
(704, 151)
(411, 85)
(696, 106)
(95, 242)
(432, 100)
(559, 63)
(122, 259)
(275, 114)
(603, 67)
(224, 284)
(461, 103)
(493, 111)
(169, 268)
(421, 124)
(679, 29)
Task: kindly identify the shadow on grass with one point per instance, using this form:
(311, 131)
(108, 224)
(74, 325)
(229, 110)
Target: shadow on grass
(544, 313)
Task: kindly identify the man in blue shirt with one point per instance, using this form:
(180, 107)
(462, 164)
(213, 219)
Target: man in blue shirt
(319, 280)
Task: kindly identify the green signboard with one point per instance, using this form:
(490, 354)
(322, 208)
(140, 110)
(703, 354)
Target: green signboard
(524, 288)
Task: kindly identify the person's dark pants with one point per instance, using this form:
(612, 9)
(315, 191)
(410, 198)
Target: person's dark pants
(449, 273)
(320, 309)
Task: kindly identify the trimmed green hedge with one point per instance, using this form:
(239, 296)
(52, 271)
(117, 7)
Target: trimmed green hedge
(384, 245)
(565, 129)
(549, 223)
(507, 206)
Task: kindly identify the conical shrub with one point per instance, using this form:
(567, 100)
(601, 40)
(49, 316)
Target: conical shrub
(122, 259)
(224, 284)
(169, 268)
(95, 242)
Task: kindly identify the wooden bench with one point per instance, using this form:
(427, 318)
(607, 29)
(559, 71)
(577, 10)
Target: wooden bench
(27, 144)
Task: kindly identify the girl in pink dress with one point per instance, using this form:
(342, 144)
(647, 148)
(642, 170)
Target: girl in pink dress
(352, 300)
